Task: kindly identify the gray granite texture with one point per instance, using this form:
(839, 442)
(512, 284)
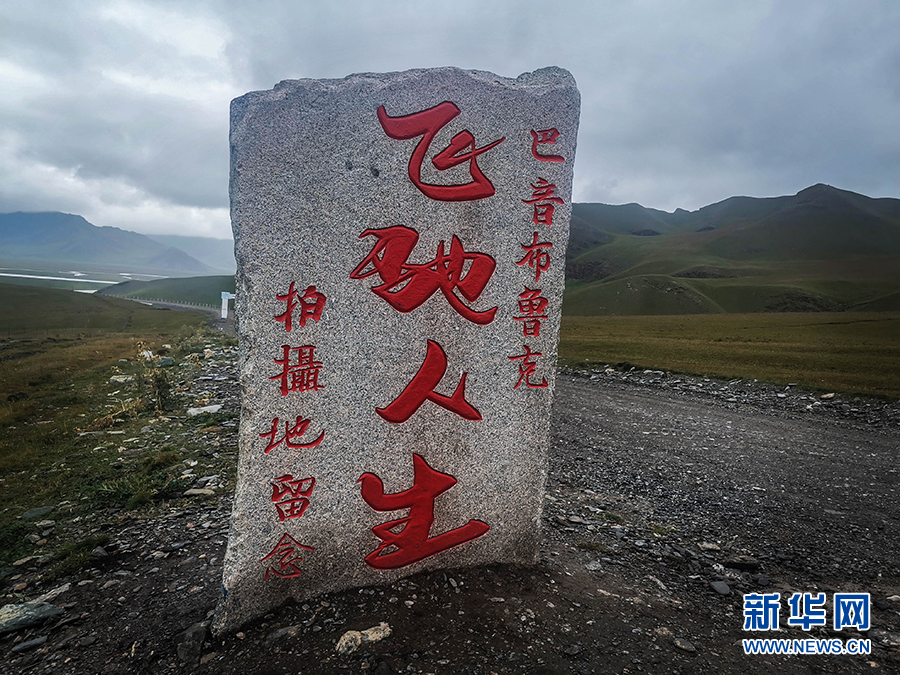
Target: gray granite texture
(324, 193)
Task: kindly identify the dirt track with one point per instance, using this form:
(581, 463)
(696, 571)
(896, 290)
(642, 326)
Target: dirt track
(659, 486)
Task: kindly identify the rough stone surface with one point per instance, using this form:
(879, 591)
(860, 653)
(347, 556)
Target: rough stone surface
(25, 615)
(720, 587)
(312, 170)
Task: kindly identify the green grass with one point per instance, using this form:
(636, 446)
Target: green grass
(851, 352)
(34, 312)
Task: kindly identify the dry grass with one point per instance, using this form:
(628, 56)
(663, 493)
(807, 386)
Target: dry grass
(843, 352)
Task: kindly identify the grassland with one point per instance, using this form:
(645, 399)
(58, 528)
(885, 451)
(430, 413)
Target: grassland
(58, 351)
(32, 311)
(846, 352)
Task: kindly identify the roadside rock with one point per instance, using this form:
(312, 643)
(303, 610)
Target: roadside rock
(684, 645)
(30, 644)
(25, 615)
(190, 643)
(352, 639)
(720, 587)
(192, 412)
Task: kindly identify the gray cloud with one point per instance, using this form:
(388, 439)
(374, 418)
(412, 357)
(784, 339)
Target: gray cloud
(119, 110)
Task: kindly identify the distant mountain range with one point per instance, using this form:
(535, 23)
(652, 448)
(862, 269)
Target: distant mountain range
(67, 238)
(821, 249)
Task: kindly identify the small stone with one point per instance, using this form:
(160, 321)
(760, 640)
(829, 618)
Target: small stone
(99, 552)
(349, 642)
(572, 650)
(720, 587)
(39, 512)
(190, 643)
(684, 645)
(199, 492)
(44, 524)
(166, 362)
(742, 562)
(827, 397)
(211, 409)
(352, 639)
(498, 600)
(708, 546)
(30, 644)
(55, 593)
(282, 633)
(87, 641)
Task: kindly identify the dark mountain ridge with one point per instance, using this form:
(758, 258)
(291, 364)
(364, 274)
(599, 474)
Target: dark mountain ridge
(69, 238)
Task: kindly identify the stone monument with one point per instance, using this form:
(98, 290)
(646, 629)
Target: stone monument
(400, 241)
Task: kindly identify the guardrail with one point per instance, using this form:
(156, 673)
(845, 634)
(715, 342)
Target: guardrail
(165, 300)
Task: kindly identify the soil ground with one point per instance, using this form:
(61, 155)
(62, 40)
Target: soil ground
(659, 487)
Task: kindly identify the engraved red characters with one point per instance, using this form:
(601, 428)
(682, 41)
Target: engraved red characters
(527, 368)
(301, 376)
(545, 136)
(291, 434)
(421, 389)
(543, 198)
(532, 308)
(287, 555)
(412, 542)
(291, 496)
(536, 256)
(427, 124)
(407, 286)
(311, 305)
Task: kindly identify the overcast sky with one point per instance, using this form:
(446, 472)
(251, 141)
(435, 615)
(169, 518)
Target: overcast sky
(118, 110)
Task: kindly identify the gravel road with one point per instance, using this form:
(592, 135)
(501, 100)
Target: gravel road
(668, 498)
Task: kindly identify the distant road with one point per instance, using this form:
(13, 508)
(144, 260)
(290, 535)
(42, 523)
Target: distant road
(226, 326)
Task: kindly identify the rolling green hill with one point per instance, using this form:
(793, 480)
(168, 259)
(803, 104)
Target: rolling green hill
(822, 249)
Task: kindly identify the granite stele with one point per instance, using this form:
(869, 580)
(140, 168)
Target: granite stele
(400, 241)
